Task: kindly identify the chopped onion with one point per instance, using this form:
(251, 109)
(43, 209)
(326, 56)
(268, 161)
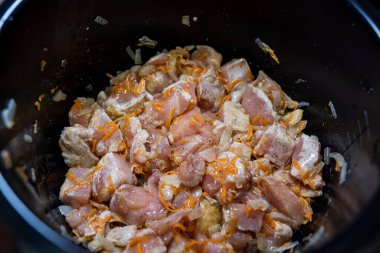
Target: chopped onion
(190, 47)
(59, 96)
(261, 242)
(8, 113)
(341, 166)
(130, 52)
(258, 204)
(208, 155)
(65, 210)
(146, 69)
(138, 56)
(333, 111)
(35, 127)
(299, 80)
(186, 20)
(303, 104)
(146, 41)
(266, 48)
(287, 246)
(64, 63)
(99, 243)
(225, 139)
(316, 237)
(196, 213)
(293, 118)
(100, 20)
(195, 19)
(33, 175)
(6, 159)
(326, 155)
(28, 138)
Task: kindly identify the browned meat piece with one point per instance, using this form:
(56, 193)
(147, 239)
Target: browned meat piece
(74, 143)
(210, 90)
(111, 172)
(286, 201)
(258, 106)
(81, 112)
(76, 190)
(275, 145)
(206, 56)
(280, 100)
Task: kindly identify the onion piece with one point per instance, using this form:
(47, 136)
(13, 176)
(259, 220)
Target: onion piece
(65, 210)
(8, 113)
(303, 104)
(100, 20)
(186, 20)
(341, 166)
(225, 139)
(130, 52)
(287, 246)
(333, 111)
(28, 138)
(326, 155)
(266, 48)
(59, 96)
(138, 60)
(146, 41)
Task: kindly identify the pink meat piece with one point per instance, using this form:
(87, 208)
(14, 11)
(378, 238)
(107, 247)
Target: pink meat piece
(285, 200)
(75, 145)
(280, 100)
(210, 90)
(159, 143)
(210, 185)
(165, 225)
(186, 146)
(136, 205)
(305, 158)
(276, 145)
(150, 243)
(251, 221)
(206, 56)
(174, 101)
(258, 106)
(157, 81)
(108, 137)
(191, 171)
(76, 190)
(81, 112)
(239, 240)
(186, 124)
(112, 171)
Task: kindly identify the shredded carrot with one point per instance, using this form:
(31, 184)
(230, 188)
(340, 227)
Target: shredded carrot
(167, 205)
(183, 141)
(190, 202)
(139, 88)
(167, 92)
(221, 79)
(261, 166)
(110, 76)
(78, 105)
(158, 106)
(37, 105)
(73, 179)
(232, 84)
(198, 118)
(264, 121)
(170, 118)
(138, 169)
(122, 147)
(249, 75)
(232, 225)
(255, 119)
(140, 248)
(135, 240)
(178, 228)
(250, 132)
(248, 210)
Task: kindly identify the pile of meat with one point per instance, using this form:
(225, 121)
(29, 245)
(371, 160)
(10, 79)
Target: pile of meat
(183, 154)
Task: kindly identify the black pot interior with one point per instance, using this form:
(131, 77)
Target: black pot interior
(324, 43)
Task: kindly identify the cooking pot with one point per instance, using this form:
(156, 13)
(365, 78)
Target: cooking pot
(329, 52)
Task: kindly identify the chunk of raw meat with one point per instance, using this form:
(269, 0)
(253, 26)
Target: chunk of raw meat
(111, 172)
(81, 112)
(74, 143)
(210, 90)
(206, 56)
(233, 116)
(275, 145)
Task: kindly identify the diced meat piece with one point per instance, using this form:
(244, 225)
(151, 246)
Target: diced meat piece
(111, 172)
(108, 137)
(74, 143)
(191, 171)
(169, 184)
(126, 95)
(242, 150)
(258, 106)
(136, 205)
(87, 221)
(246, 219)
(159, 59)
(174, 101)
(210, 90)
(286, 201)
(166, 224)
(159, 144)
(276, 145)
(76, 190)
(178, 245)
(207, 56)
(139, 152)
(280, 234)
(232, 115)
(147, 241)
(120, 236)
(188, 145)
(186, 124)
(212, 247)
(129, 126)
(207, 153)
(210, 185)
(305, 160)
(157, 81)
(81, 112)
(238, 74)
(239, 240)
(280, 100)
